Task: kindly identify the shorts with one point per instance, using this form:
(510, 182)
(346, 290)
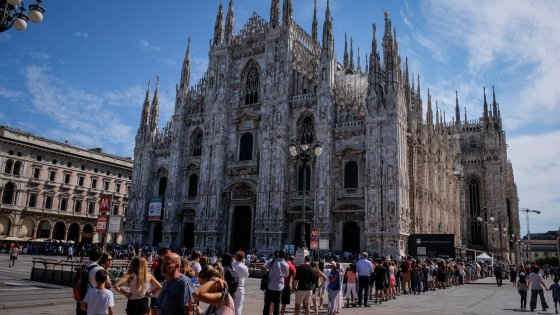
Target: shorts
(154, 303)
(303, 297)
(139, 306)
(286, 296)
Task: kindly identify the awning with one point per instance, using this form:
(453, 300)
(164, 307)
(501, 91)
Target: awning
(483, 256)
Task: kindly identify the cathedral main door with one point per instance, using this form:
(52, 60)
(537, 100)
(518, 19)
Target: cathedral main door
(241, 229)
(351, 237)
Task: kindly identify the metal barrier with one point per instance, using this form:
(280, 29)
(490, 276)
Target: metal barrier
(63, 272)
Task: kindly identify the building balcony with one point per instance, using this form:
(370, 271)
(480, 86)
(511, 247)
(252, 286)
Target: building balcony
(308, 99)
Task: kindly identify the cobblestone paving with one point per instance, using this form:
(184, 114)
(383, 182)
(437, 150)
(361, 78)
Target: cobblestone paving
(20, 296)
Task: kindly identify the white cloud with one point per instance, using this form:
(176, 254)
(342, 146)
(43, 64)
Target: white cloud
(510, 35)
(83, 35)
(537, 170)
(82, 117)
(8, 93)
(146, 45)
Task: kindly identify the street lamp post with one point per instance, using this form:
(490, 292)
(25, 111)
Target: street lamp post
(304, 153)
(487, 223)
(13, 13)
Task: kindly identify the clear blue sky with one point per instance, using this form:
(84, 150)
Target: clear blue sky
(80, 76)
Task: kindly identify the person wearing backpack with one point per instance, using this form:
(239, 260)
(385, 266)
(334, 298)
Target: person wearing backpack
(82, 280)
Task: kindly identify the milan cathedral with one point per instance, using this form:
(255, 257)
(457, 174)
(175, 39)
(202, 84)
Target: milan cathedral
(220, 174)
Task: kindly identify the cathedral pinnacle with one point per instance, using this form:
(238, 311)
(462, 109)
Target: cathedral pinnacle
(358, 65)
(315, 24)
(186, 71)
(457, 111)
(373, 57)
(287, 13)
(228, 29)
(406, 76)
(346, 60)
(351, 65)
(275, 13)
(328, 40)
(494, 104)
(145, 111)
(218, 27)
(485, 106)
(429, 114)
(154, 112)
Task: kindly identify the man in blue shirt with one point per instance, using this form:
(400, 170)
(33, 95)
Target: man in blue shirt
(176, 294)
(364, 268)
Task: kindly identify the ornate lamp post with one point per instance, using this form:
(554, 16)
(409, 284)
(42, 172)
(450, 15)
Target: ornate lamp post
(13, 13)
(487, 223)
(304, 153)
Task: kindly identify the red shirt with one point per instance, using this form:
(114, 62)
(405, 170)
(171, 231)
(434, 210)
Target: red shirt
(292, 272)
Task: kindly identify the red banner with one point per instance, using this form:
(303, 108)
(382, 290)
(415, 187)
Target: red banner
(314, 242)
(104, 204)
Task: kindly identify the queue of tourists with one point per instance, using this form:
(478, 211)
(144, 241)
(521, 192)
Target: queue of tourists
(172, 285)
(168, 282)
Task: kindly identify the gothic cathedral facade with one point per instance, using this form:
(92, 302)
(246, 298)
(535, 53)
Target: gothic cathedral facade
(219, 175)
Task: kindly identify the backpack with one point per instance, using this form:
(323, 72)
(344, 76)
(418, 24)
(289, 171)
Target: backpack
(231, 280)
(81, 282)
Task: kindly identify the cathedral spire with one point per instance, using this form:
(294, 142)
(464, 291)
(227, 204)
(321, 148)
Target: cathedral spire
(346, 61)
(373, 57)
(465, 120)
(389, 50)
(457, 111)
(485, 114)
(154, 112)
(145, 120)
(494, 104)
(351, 53)
(315, 24)
(429, 114)
(328, 40)
(228, 29)
(358, 65)
(406, 75)
(186, 71)
(218, 27)
(437, 115)
(418, 90)
(287, 12)
(275, 13)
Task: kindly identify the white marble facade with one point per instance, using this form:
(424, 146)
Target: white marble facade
(222, 168)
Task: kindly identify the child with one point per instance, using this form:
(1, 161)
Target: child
(555, 288)
(99, 300)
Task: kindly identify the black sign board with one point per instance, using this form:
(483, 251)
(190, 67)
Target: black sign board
(431, 245)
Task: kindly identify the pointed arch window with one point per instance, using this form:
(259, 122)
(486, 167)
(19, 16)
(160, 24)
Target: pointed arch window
(193, 186)
(307, 130)
(351, 175)
(197, 143)
(304, 179)
(474, 208)
(252, 85)
(9, 195)
(246, 147)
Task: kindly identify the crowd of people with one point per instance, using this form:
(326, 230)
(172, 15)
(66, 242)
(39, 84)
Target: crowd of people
(166, 282)
(169, 285)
